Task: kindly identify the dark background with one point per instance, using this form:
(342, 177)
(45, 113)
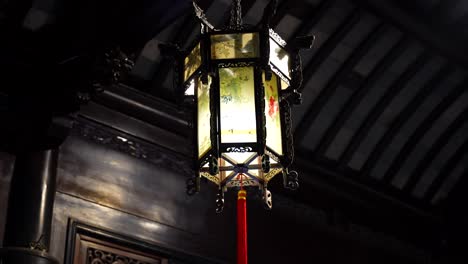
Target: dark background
(381, 137)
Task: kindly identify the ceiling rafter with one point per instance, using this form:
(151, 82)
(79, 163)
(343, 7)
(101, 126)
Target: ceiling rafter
(395, 88)
(281, 11)
(327, 48)
(435, 149)
(446, 170)
(358, 94)
(344, 70)
(397, 123)
(441, 10)
(422, 129)
(316, 14)
(308, 159)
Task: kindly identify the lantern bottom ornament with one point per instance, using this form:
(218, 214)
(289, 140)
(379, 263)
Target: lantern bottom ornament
(252, 174)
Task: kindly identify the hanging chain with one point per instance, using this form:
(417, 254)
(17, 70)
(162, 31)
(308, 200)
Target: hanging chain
(236, 15)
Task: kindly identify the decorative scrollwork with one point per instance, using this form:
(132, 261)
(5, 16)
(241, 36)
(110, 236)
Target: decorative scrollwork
(277, 38)
(129, 145)
(219, 201)
(235, 21)
(112, 68)
(279, 73)
(193, 185)
(296, 74)
(239, 149)
(272, 156)
(267, 199)
(213, 166)
(96, 256)
(297, 44)
(235, 64)
(200, 14)
(260, 94)
(271, 174)
(291, 180)
(236, 183)
(210, 177)
(266, 163)
(289, 155)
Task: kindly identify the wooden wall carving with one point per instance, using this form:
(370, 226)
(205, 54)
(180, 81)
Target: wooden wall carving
(90, 250)
(92, 245)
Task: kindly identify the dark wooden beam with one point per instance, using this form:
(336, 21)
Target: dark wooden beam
(345, 69)
(395, 126)
(281, 10)
(435, 149)
(367, 200)
(316, 14)
(422, 129)
(441, 11)
(351, 179)
(394, 89)
(144, 107)
(358, 94)
(432, 34)
(327, 48)
(446, 170)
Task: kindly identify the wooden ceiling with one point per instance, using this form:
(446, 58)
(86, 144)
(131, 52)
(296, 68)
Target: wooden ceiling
(382, 106)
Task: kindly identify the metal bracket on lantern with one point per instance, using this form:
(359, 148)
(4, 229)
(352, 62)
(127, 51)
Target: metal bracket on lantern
(266, 163)
(267, 198)
(193, 185)
(213, 166)
(290, 179)
(220, 200)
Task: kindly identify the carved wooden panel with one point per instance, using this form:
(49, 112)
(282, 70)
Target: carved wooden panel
(88, 244)
(90, 250)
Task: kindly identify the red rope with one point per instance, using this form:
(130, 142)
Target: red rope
(242, 226)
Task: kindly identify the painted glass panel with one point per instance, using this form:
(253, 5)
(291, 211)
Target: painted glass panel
(192, 62)
(237, 105)
(272, 114)
(279, 58)
(203, 96)
(234, 46)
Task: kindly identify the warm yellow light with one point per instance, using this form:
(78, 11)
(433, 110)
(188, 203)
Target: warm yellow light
(192, 62)
(237, 105)
(234, 46)
(203, 128)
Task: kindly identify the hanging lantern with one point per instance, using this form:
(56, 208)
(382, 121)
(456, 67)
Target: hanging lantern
(243, 81)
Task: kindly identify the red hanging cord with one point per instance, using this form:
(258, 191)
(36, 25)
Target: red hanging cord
(241, 224)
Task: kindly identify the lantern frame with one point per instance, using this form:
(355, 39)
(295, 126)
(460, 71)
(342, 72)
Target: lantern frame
(208, 70)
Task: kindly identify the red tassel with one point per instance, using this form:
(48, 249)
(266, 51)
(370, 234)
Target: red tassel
(242, 227)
